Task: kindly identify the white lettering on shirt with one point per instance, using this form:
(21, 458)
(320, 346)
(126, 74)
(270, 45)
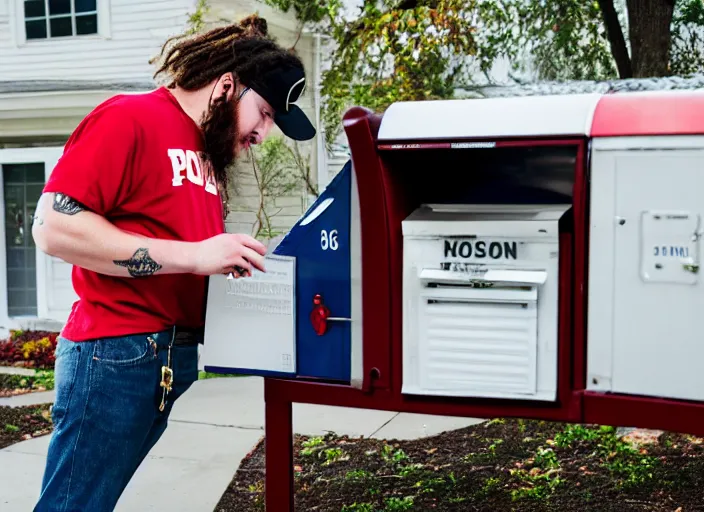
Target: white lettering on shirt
(178, 164)
(210, 185)
(190, 162)
(195, 175)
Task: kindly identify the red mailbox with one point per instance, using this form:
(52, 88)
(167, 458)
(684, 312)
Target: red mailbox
(532, 257)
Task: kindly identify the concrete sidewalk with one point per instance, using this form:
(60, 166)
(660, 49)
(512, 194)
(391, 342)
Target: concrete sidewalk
(212, 428)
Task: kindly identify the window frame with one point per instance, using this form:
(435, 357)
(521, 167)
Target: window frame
(102, 10)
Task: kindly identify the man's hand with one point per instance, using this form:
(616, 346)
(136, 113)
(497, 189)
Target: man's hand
(222, 253)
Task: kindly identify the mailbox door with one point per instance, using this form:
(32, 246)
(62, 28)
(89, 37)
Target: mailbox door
(324, 355)
(321, 244)
(264, 326)
(645, 284)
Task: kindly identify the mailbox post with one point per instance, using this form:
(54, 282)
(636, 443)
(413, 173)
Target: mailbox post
(533, 257)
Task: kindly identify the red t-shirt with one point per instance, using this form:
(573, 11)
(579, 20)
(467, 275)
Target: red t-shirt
(134, 160)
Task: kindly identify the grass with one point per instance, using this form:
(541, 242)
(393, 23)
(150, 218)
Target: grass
(208, 375)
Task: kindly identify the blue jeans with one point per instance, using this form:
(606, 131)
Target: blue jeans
(106, 416)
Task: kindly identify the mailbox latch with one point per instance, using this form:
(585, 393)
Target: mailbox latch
(320, 316)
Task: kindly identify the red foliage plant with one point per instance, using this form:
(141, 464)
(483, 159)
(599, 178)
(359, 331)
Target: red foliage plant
(31, 349)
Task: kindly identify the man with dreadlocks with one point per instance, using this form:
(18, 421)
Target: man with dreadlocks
(136, 205)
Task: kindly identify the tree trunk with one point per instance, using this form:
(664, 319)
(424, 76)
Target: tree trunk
(614, 32)
(650, 36)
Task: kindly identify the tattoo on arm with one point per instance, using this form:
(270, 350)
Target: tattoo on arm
(66, 204)
(140, 264)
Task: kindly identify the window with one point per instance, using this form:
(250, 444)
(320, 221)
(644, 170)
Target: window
(44, 19)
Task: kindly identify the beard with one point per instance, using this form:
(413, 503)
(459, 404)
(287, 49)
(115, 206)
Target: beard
(220, 136)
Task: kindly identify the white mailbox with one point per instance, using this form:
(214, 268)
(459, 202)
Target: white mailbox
(480, 301)
(645, 286)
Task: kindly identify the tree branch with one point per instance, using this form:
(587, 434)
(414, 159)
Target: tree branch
(301, 26)
(358, 26)
(412, 4)
(303, 168)
(260, 209)
(616, 39)
(407, 4)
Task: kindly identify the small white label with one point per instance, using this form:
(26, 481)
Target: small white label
(472, 270)
(669, 246)
(329, 240)
(286, 361)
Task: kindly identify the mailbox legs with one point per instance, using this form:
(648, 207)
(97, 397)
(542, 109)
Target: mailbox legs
(279, 452)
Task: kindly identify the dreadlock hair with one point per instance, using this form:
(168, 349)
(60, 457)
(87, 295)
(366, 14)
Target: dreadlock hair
(243, 49)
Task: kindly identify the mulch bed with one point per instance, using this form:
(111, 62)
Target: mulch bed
(500, 465)
(22, 423)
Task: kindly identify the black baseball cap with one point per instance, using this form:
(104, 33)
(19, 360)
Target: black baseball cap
(281, 87)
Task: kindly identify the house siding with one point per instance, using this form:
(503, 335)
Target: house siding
(137, 29)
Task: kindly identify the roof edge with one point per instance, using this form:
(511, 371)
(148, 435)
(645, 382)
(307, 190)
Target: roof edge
(37, 86)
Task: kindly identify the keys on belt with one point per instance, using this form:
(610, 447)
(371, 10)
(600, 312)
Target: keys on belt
(167, 376)
(180, 337)
(167, 380)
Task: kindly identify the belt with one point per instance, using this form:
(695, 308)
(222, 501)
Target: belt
(188, 336)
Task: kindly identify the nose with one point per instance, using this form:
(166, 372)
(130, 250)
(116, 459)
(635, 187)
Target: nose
(264, 128)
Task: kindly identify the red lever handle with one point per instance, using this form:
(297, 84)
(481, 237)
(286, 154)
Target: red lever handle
(319, 316)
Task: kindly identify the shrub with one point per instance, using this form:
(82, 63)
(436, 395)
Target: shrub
(31, 349)
(42, 380)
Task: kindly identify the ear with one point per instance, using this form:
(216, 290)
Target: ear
(226, 84)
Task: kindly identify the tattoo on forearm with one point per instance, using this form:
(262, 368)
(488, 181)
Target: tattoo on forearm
(140, 264)
(67, 205)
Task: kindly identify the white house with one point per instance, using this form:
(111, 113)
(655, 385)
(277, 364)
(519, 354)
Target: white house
(58, 60)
